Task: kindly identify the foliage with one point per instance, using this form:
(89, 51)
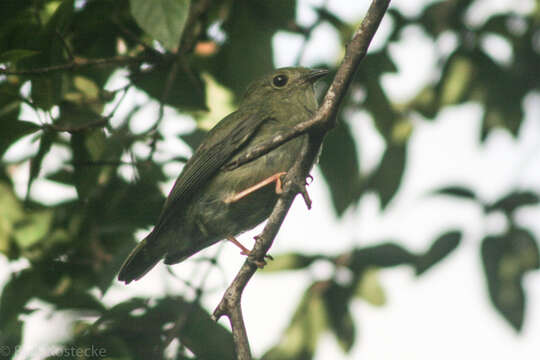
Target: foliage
(58, 55)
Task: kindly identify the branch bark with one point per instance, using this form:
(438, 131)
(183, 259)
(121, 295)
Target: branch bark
(317, 127)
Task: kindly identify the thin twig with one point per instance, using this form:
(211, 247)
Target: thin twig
(322, 121)
(78, 63)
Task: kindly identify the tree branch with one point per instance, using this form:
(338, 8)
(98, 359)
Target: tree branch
(317, 127)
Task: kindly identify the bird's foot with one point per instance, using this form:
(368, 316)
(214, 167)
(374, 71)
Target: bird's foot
(274, 178)
(245, 251)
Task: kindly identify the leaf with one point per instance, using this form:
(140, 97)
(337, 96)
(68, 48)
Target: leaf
(14, 55)
(336, 299)
(369, 288)
(289, 261)
(386, 179)
(45, 142)
(10, 212)
(164, 20)
(87, 147)
(307, 324)
(457, 191)
(252, 24)
(506, 259)
(32, 228)
(383, 255)
(186, 92)
(440, 248)
(339, 165)
(12, 130)
(514, 200)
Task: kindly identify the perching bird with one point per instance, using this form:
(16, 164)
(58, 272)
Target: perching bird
(209, 203)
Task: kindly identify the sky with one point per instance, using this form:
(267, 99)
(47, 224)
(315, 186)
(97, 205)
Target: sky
(446, 313)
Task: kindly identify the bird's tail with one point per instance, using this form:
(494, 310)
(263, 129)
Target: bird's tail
(141, 260)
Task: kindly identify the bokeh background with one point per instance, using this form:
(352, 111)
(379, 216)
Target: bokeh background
(422, 239)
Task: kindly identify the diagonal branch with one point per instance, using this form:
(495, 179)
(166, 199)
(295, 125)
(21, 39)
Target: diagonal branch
(317, 127)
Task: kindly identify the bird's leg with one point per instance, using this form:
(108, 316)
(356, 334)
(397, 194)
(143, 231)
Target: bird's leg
(276, 177)
(245, 251)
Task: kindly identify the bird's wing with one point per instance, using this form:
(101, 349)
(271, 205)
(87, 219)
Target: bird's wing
(219, 146)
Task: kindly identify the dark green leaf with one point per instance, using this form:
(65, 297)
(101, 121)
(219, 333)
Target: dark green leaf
(87, 147)
(506, 259)
(386, 179)
(339, 165)
(336, 300)
(456, 191)
(440, 248)
(186, 92)
(12, 56)
(383, 255)
(250, 25)
(514, 200)
(164, 20)
(12, 130)
(45, 143)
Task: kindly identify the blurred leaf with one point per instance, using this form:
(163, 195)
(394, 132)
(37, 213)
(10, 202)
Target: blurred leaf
(289, 261)
(514, 200)
(343, 176)
(12, 130)
(440, 248)
(250, 23)
(456, 191)
(383, 255)
(369, 288)
(194, 138)
(386, 179)
(10, 212)
(12, 56)
(506, 259)
(87, 148)
(45, 142)
(164, 20)
(336, 299)
(307, 324)
(32, 228)
(187, 91)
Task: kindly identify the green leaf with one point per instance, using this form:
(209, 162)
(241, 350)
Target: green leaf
(34, 227)
(336, 299)
(343, 175)
(247, 53)
(186, 92)
(457, 191)
(12, 130)
(10, 212)
(514, 200)
(14, 55)
(307, 324)
(45, 143)
(386, 179)
(383, 255)
(440, 248)
(369, 288)
(87, 148)
(289, 261)
(164, 20)
(507, 258)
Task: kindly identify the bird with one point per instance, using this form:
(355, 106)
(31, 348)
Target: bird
(209, 203)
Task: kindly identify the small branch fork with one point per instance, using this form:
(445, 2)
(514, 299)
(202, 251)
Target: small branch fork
(317, 127)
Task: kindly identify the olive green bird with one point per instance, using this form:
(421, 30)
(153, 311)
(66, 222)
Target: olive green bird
(209, 203)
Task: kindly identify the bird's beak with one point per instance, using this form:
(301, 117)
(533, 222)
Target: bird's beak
(315, 75)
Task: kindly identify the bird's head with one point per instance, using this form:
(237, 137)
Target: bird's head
(283, 82)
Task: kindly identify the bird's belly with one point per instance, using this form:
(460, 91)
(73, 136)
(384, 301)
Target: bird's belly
(220, 218)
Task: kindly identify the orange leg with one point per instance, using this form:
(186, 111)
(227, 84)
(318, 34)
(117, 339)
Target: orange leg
(247, 252)
(276, 177)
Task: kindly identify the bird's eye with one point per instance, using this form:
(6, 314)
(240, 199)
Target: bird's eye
(280, 80)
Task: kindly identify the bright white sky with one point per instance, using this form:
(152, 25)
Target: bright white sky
(446, 313)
